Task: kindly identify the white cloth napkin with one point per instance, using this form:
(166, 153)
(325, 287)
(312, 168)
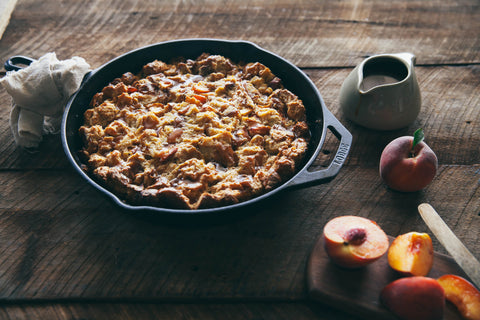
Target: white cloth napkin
(40, 93)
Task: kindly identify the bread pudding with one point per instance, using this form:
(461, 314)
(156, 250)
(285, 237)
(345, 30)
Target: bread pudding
(194, 134)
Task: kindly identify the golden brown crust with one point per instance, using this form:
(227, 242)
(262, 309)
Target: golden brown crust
(195, 133)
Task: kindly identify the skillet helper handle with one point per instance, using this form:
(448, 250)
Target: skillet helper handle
(305, 177)
(16, 63)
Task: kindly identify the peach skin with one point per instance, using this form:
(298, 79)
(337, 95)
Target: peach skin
(414, 298)
(407, 169)
(462, 294)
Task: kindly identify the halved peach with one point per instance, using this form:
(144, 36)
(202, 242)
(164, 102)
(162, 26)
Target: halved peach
(462, 294)
(411, 254)
(352, 241)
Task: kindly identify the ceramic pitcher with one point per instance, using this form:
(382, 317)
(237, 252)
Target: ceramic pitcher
(382, 92)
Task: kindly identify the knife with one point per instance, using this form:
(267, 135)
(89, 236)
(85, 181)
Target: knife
(454, 246)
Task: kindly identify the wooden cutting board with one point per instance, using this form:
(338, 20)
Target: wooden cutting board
(357, 291)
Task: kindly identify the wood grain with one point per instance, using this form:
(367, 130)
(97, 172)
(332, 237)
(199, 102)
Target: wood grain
(67, 241)
(6, 8)
(187, 311)
(309, 33)
(69, 253)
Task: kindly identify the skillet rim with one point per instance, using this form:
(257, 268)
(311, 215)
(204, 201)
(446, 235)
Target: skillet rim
(221, 45)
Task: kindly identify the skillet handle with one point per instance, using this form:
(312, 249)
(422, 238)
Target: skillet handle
(16, 63)
(306, 178)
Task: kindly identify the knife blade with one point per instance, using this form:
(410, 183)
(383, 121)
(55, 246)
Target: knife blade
(452, 244)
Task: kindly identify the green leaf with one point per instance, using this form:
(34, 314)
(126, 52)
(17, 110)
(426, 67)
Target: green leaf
(417, 137)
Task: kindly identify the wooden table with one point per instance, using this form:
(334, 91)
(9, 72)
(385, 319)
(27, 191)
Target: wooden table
(69, 253)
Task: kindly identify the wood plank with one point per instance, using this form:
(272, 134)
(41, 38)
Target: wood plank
(446, 91)
(64, 247)
(311, 34)
(150, 310)
(63, 240)
(6, 8)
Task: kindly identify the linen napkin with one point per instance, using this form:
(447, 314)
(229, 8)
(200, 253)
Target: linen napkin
(39, 94)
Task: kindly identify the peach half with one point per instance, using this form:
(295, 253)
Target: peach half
(411, 254)
(414, 298)
(353, 242)
(462, 294)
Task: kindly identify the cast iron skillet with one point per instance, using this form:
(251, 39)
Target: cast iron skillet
(319, 117)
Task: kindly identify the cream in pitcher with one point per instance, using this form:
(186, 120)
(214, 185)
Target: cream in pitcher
(382, 92)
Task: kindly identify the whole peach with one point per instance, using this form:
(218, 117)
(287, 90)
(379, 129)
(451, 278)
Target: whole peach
(407, 170)
(414, 298)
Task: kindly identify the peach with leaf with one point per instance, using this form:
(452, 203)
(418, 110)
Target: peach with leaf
(408, 164)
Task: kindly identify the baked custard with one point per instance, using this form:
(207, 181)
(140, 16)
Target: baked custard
(194, 134)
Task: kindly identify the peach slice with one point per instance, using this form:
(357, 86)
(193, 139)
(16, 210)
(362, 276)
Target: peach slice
(411, 254)
(413, 298)
(462, 294)
(353, 242)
